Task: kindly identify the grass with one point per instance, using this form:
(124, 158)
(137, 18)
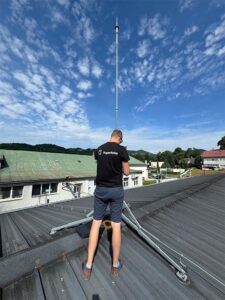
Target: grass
(198, 172)
(172, 175)
(147, 182)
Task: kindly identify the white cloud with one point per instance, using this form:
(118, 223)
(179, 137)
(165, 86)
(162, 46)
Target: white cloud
(97, 70)
(17, 7)
(14, 109)
(143, 48)
(185, 4)
(155, 26)
(37, 80)
(213, 50)
(65, 3)
(39, 107)
(70, 107)
(221, 51)
(48, 75)
(85, 31)
(84, 66)
(26, 82)
(143, 26)
(66, 90)
(84, 85)
(57, 16)
(216, 34)
(112, 48)
(82, 95)
(190, 30)
(6, 88)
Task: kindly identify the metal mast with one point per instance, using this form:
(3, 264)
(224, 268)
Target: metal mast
(117, 44)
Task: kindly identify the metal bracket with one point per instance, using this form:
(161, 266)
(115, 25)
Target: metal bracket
(71, 224)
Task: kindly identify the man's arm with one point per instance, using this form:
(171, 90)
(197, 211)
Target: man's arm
(126, 168)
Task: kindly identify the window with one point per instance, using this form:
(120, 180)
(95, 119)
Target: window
(17, 191)
(5, 192)
(54, 187)
(76, 190)
(135, 180)
(45, 188)
(11, 192)
(125, 181)
(36, 190)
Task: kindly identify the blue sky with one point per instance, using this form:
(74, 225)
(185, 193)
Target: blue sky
(57, 72)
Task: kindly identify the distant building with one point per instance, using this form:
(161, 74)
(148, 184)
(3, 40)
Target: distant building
(29, 178)
(189, 160)
(213, 159)
(153, 164)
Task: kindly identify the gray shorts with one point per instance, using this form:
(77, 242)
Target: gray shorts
(108, 195)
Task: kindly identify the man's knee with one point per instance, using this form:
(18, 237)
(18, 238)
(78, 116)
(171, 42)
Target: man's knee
(96, 223)
(116, 225)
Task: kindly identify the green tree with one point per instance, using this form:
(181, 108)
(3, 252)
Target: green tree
(221, 143)
(198, 162)
(168, 158)
(179, 156)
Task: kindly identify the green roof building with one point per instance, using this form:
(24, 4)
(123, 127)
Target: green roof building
(29, 178)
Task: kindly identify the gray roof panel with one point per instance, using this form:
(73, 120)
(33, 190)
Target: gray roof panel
(187, 216)
(60, 282)
(28, 287)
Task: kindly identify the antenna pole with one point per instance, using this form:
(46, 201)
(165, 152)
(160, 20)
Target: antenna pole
(117, 46)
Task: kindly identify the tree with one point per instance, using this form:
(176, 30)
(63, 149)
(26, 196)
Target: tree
(221, 143)
(198, 162)
(179, 156)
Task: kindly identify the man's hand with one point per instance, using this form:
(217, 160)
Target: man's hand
(126, 168)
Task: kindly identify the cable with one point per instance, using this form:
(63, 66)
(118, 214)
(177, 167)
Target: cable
(168, 247)
(184, 257)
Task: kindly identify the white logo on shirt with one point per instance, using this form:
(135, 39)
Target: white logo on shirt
(110, 152)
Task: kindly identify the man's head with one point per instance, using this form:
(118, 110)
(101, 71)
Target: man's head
(117, 136)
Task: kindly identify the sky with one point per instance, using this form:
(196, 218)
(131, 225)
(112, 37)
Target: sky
(57, 72)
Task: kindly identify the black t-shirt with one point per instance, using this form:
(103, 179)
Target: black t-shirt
(109, 158)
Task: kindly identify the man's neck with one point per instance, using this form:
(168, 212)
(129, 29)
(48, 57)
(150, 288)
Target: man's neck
(114, 140)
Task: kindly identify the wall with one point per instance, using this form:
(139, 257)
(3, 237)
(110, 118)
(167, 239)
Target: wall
(153, 164)
(143, 169)
(220, 161)
(131, 181)
(27, 200)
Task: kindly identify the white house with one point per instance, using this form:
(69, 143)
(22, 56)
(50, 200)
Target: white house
(137, 165)
(153, 164)
(213, 159)
(29, 178)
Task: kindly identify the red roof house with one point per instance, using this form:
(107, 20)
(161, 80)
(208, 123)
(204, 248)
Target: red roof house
(213, 159)
(213, 153)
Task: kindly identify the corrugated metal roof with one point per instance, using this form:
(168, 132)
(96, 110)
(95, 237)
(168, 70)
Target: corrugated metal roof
(26, 166)
(188, 215)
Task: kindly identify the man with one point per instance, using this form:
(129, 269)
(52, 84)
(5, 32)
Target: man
(112, 163)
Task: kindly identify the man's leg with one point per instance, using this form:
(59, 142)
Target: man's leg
(116, 241)
(93, 240)
(116, 207)
(99, 210)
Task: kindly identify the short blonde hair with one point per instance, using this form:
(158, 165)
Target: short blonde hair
(117, 133)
